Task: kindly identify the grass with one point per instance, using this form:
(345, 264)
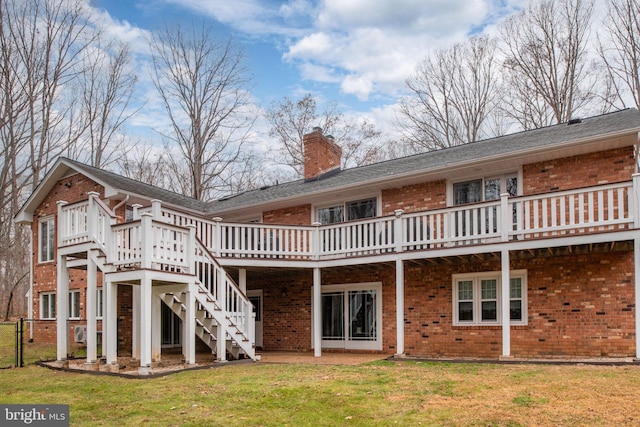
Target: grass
(380, 393)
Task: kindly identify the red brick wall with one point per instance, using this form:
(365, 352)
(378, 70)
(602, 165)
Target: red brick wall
(578, 306)
(286, 308)
(297, 215)
(321, 154)
(415, 198)
(71, 189)
(603, 167)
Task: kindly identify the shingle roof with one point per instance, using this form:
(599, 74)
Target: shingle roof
(611, 123)
(140, 188)
(622, 121)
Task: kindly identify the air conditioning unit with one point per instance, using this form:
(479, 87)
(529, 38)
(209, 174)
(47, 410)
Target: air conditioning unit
(80, 333)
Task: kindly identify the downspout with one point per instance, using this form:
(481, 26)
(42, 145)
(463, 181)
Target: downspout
(122, 202)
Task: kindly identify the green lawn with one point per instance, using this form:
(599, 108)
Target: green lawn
(379, 393)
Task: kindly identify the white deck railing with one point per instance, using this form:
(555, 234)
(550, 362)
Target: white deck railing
(589, 210)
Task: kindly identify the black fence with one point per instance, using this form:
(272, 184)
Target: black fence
(11, 344)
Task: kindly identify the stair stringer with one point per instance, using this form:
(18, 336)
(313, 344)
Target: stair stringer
(208, 317)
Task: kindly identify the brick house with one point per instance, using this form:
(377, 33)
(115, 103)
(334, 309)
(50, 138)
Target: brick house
(525, 246)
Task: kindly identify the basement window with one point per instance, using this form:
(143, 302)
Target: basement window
(48, 305)
(477, 298)
(74, 304)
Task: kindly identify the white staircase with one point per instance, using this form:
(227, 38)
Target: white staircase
(222, 310)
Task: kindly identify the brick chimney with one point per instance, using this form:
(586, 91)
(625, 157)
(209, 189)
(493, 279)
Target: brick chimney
(321, 154)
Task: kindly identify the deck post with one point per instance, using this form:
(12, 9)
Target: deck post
(62, 289)
(217, 237)
(506, 219)
(136, 213)
(315, 243)
(189, 339)
(505, 304)
(90, 309)
(156, 322)
(317, 313)
(62, 308)
(92, 215)
(399, 307)
(221, 344)
(397, 230)
(135, 324)
(146, 237)
(145, 322)
(110, 322)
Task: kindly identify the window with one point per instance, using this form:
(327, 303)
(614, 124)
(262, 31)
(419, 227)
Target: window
(348, 211)
(48, 305)
(47, 232)
(352, 316)
(74, 304)
(484, 189)
(477, 298)
(469, 221)
(99, 298)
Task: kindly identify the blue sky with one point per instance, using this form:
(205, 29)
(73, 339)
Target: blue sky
(357, 52)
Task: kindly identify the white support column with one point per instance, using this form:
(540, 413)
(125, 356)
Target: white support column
(189, 338)
(135, 324)
(636, 262)
(104, 317)
(156, 325)
(399, 307)
(145, 322)
(90, 309)
(506, 297)
(221, 344)
(242, 280)
(62, 308)
(110, 322)
(146, 236)
(317, 313)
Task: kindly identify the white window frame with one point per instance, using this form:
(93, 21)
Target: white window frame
(346, 343)
(74, 304)
(503, 184)
(50, 303)
(50, 240)
(99, 302)
(343, 203)
(477, 278)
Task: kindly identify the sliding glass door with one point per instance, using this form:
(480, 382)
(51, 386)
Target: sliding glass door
(351, 316)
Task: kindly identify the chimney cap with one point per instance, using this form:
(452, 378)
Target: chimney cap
(317, 129)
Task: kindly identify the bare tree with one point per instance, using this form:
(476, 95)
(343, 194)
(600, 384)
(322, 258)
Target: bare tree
(547, 63)
(105, 85)
(143, 163)
(620, 51)
(453, 94)
(42, 43)
(291, 120)
(202, 84)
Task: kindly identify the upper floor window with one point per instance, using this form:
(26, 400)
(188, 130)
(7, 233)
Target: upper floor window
(484, 189)
(47, 238)
(349, 211)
